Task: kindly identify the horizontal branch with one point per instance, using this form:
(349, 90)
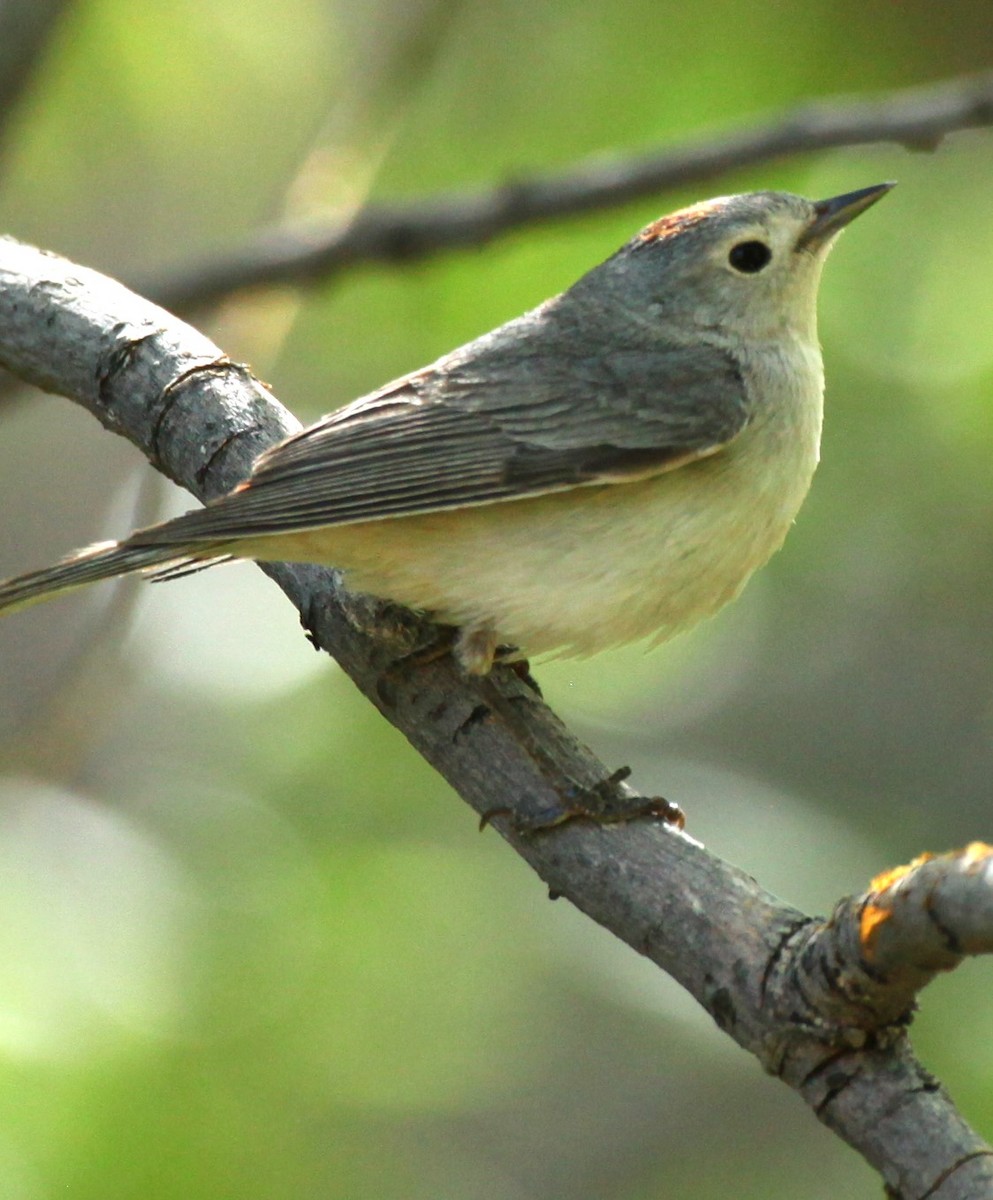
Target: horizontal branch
(741, 952)
(914, 117)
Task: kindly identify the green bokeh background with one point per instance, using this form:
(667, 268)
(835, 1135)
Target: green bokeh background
(251, 946)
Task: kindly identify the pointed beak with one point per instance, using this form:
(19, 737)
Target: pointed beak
(831, 216)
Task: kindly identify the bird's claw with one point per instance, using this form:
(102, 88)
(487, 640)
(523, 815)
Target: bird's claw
(603, 804)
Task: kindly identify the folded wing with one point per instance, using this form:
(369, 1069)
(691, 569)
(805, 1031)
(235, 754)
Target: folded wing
(495, 424)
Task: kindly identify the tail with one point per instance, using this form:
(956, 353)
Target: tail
(105, 560)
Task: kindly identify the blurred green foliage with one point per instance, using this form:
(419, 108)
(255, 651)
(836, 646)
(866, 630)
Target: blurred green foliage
(252, 947)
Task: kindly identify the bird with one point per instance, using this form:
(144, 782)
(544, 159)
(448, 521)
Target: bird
(609, 467)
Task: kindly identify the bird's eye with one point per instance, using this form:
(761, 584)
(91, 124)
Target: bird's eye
(749, 257)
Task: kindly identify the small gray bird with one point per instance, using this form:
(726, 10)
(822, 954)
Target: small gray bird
(611, 466)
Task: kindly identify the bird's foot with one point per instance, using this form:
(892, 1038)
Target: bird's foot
(606, 803)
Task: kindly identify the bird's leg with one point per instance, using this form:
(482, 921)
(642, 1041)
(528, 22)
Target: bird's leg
(476, 648)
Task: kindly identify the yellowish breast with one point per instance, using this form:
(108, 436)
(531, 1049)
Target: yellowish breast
(580, 570)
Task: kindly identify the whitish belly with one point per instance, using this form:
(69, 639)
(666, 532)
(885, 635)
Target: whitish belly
(582, 570)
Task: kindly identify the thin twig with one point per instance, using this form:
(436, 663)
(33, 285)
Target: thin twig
(914, 117)
(25, 29)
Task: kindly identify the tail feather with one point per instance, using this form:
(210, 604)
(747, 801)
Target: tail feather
(102, 561)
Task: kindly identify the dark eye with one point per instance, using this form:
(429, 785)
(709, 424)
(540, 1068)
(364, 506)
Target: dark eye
(749, 257)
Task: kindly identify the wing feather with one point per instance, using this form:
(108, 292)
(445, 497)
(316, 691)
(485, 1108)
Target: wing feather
(517, 413)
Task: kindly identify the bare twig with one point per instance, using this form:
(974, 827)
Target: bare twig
(25, 28)
(743, 954)
(915, 117)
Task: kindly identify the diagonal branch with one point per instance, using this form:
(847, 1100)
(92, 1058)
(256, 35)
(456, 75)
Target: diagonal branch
(914, 117)
(789, 989)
